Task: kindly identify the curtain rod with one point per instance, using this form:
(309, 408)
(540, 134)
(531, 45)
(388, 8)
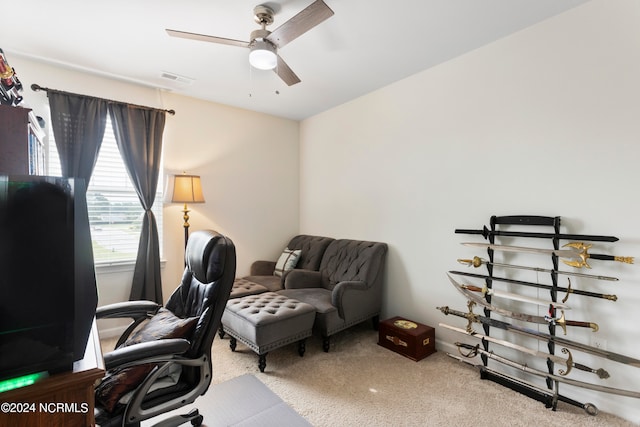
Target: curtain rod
(36, 87)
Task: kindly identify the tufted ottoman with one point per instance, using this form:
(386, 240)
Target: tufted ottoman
(268, 321)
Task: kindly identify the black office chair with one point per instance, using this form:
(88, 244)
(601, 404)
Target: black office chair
(176, 337)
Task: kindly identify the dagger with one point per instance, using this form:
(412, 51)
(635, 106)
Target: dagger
(475, 350)
(578, 253)
(486, 233)
(568, 362)
(471, 317)
(477, 262)
(538, 285)
(515, 297)
(525, 317)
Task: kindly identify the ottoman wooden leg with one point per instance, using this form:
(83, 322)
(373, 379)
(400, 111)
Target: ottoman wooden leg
(232, 343)
(262, 361)
(326, 344)
(302, 346)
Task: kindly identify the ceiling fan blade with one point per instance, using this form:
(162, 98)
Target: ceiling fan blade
(205, 38)
(285, 73)
(308, 18)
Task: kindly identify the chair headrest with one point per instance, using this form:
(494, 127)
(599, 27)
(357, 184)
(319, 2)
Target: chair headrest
(205, 255)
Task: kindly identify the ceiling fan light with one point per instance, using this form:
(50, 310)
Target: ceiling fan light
(263, 55)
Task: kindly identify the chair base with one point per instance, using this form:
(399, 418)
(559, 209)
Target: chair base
(194, 417)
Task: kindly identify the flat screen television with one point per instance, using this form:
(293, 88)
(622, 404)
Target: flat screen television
(48, 293)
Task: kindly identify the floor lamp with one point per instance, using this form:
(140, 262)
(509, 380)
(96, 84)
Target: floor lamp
(186, 189)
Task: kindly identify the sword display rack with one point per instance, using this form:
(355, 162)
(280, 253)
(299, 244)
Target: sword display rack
(526, 220)
(499, 226)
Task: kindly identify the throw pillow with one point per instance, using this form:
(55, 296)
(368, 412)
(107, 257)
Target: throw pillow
(163, 325)
(287, 261)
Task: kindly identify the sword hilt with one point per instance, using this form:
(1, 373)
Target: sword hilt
(475, 262)
(473, 349)
(594, 326)
(473, 288)
(583, 255)
(569, 363)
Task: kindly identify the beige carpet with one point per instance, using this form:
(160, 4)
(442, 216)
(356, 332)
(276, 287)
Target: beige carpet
(359, 383)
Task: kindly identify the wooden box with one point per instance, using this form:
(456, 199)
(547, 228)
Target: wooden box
(408, 338)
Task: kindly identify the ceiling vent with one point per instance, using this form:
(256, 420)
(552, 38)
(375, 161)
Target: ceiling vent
(176, 78)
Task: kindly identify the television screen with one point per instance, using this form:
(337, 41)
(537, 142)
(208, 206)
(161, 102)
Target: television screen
(47, 277)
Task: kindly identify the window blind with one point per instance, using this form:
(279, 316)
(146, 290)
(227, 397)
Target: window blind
(115, 213)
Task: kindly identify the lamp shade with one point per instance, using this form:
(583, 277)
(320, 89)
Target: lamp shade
(187, 189)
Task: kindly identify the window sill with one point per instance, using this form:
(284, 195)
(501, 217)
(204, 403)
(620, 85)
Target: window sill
(119, 266)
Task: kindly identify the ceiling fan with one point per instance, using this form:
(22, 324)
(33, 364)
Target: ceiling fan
(264, 44)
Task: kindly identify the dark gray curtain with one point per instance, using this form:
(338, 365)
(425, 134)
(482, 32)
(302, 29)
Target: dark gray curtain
(78, 124)
(138, 132)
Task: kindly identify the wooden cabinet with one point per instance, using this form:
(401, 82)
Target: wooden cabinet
(65, 399)
(21, 142)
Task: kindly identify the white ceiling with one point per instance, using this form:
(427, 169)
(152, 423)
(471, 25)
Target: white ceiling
(367, 44)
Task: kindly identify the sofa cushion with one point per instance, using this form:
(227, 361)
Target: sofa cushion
(312, 249)
(319, 298)
(287, 261)
(271, 283)
(352, 260)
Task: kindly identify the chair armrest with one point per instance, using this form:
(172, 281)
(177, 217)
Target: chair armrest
(299, 279)
(147, 352)
(342, 288)
(262, 268)
(131, 309)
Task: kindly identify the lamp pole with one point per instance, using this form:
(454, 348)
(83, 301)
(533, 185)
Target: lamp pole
(185, 216)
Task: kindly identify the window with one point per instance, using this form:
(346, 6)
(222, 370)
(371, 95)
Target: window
(115, 213)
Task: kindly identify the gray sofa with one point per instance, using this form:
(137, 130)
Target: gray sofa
(346, 289)
(341, 278)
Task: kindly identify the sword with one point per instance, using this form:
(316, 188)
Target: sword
(569, 363)
(535, 392)
(471, 317)
(477, 262)
(578, 253)
(486, 233)
(568, 290)
(514, 297)
(549, 319)
(475, 350)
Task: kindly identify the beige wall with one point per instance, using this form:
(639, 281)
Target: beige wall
(248, 163)
(544, 122)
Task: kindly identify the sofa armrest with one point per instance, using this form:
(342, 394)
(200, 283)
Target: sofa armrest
(262, 268)
(343, 288)
(300, 279)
